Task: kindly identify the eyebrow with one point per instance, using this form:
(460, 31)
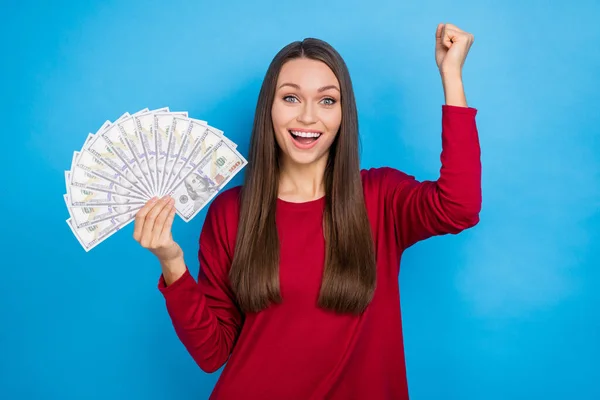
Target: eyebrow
(321, 89)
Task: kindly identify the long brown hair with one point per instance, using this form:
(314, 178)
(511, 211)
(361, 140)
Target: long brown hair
(350, 274)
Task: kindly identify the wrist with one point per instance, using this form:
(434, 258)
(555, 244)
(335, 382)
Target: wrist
(454, 93)
(172, 262)
(173, 269)
(451, 74)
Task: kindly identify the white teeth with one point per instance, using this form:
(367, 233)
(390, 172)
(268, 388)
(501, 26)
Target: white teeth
(306, 134)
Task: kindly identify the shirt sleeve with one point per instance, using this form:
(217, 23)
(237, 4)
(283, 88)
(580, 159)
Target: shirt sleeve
(450, 204)
(204, 314)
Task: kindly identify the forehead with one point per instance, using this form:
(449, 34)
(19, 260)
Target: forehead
(307, 73)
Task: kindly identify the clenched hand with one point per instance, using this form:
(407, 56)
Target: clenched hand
(153, 229)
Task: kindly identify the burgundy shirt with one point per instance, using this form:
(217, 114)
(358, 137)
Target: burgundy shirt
(296, 350)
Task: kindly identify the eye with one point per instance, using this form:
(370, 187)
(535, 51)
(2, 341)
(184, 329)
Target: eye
(287, 98)
(328, 101)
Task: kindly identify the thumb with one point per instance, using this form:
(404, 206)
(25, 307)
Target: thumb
(438, 36)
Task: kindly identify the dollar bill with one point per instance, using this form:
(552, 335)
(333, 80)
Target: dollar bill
(203, 182)
(96, 166)
(162, 126)
(86, 215)
(129, 135)
(84, 179)
(91, 236)
(200, 141)
(220, 132)
(111, 148)
(88, 171)
(76, 155)
(85, 193)
(145, 129)
(148, 138)
(99, 158)
(178, 133)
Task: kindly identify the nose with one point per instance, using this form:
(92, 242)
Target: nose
(307, 114)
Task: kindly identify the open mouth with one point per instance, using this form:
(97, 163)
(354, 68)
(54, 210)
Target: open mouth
(305, 138)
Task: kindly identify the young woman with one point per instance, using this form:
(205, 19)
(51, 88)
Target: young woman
(298, 284)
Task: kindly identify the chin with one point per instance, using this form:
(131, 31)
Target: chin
(300, 157)
(306, 160)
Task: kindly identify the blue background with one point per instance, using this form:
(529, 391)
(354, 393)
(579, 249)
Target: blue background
(506, 310)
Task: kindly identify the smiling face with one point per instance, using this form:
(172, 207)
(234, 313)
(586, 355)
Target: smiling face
(306, 111)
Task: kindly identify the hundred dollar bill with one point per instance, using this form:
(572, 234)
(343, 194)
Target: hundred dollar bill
(129, 135)
(112, 148)
(95, 166)
(84, 179)
(148, 137)
(105, 126)
(182, 128)
(143, 128)
(81, 196)
(91, 236)
(220, 132)
(177, 135)
(90, 136)
(92, 214)
(99, 158)
(102, 147)
(202, 183)
(183, 143)
(201, 138)
(162, 127)
(76, 154)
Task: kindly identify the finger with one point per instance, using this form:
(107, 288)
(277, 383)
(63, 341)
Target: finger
(140, 217)
(444, 36)
(448, 35)
(150, 220)
(160, 222)
(166, 230)
(454, 27)
(453, 34)
(438, 35)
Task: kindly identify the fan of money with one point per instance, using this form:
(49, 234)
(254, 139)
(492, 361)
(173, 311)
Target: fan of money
(139, 156)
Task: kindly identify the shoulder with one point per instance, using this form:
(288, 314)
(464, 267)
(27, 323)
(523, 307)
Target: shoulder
(383, 178)
(226, 201)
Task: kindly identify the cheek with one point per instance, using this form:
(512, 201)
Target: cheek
(332, 120)
(281, 115)
(278, 119)
(275, 114)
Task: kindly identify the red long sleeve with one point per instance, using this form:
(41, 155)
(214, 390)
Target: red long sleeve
(204, 314)
(295, 350)
(451, 203)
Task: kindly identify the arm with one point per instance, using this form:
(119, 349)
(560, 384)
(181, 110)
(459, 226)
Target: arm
(204, 314)
(453, 202)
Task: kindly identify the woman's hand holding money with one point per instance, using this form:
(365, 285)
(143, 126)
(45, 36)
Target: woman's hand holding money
(153, 231)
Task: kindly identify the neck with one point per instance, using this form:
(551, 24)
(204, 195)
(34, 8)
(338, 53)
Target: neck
(302, 182)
